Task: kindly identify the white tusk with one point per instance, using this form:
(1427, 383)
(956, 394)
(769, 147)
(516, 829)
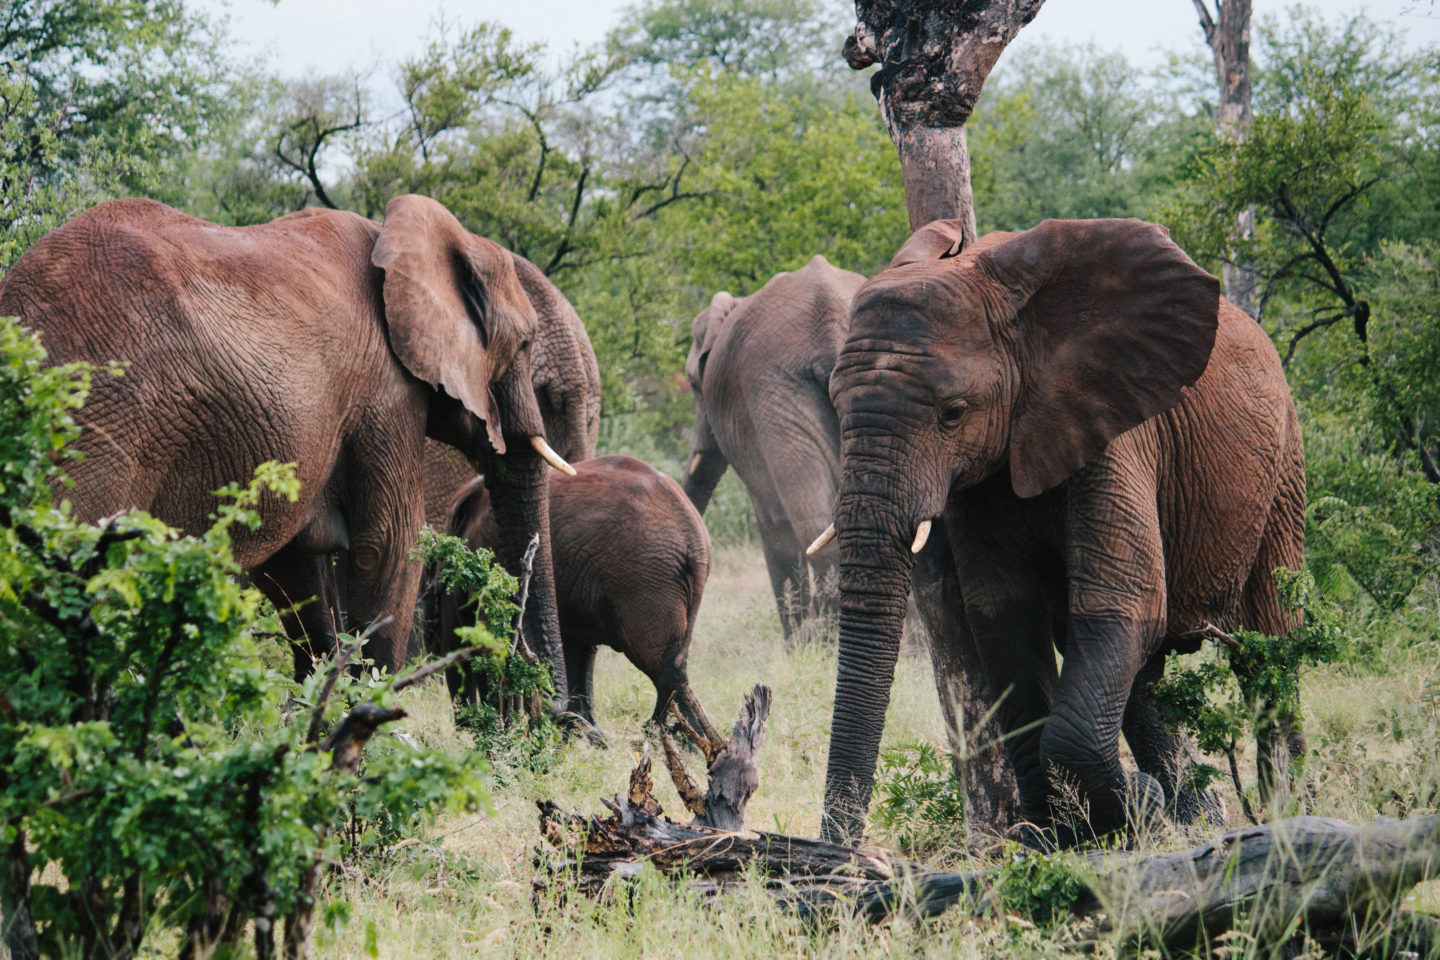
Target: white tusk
(922, 533)
(694, 464)
(551, 457)
(820, 541)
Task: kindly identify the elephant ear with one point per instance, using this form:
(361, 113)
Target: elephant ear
(937, 240)
(454, 309)
(704, 330)
(1113, 322)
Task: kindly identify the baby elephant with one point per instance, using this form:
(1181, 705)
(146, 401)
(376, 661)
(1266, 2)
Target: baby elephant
(631, 556)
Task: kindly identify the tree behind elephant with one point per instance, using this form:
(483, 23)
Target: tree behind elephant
(759, 367)
(322, 339)
(631, 560)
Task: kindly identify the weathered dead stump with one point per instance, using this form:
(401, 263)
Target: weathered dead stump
(709, 848)
(1337, 883)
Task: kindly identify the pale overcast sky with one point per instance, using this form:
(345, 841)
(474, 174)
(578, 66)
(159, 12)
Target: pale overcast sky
(329, 36)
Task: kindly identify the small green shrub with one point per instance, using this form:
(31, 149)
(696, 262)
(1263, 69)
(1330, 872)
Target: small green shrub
(918, 800)
(1042, 889)
(501, 691)
(1249, 681)
(156, 778)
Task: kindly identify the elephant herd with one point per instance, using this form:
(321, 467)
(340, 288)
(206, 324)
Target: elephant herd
(1062, 439)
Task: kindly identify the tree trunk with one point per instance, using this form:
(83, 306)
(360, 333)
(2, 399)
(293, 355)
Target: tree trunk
(1228, 34)
(935, 162)
(992, 800)
(935, 58)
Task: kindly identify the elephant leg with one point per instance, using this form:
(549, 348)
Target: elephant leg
(977, 752)
(1166, 754)
(797, 427)
(785, 560)
(303, 589)
(580, 677)
(672, 683)
(441, 640)
(382, 582)
(1115, 574)
(1279, 739)
(1080, 745)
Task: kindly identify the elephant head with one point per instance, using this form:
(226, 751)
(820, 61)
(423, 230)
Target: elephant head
(1025, 356)
(566, 378)
(706, 463)
(458, 319)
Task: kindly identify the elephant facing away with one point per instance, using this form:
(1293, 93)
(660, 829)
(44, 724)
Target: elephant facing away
(631, 559)
(759, 367)
(1114, 455)
(323, 339)
(566, 379)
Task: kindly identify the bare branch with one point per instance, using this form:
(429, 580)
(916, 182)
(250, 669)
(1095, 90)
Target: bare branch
(347, 743)
(317, 716)
(1207, 22)
(1308, 329)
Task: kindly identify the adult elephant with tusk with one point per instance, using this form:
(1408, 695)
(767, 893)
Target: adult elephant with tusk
(1115, 458)
(759, 367)
(321, 338)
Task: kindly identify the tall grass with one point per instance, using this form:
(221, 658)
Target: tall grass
(466, 891)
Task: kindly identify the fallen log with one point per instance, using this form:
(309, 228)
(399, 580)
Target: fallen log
(1339, 884)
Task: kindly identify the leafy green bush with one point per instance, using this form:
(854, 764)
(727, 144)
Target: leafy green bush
(1251, 681)
(918, 800)
(155, 776)
(1043, 889)
(1371, 518)
(500, 696)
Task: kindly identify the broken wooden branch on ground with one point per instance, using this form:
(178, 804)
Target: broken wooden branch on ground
(1326, 878)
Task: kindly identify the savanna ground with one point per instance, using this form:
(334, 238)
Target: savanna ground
(466, 890)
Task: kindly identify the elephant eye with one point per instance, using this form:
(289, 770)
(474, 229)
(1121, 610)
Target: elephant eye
(952, 411)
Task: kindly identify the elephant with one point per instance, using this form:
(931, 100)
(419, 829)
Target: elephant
(631, 558)
(1113, 455)
(566, 379)
(759, 367)
(323, 339)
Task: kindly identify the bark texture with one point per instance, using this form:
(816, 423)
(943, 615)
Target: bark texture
(1227, 31)
(934, 58)
(977, 755)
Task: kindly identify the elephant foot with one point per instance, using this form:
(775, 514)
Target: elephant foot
(1144, 803)
(573, 724)
(1197, 804)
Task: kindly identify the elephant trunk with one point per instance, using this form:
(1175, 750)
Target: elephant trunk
(520, 496)
(875, 566)
(579, 440)
(704, 467)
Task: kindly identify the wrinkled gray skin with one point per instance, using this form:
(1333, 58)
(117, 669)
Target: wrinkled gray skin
(759, 367)
(566, 379)
(1114, 455)
(631, 559)
(321, 338)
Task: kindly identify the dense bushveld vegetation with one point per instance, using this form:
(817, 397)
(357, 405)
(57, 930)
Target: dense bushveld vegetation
(696, 148)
